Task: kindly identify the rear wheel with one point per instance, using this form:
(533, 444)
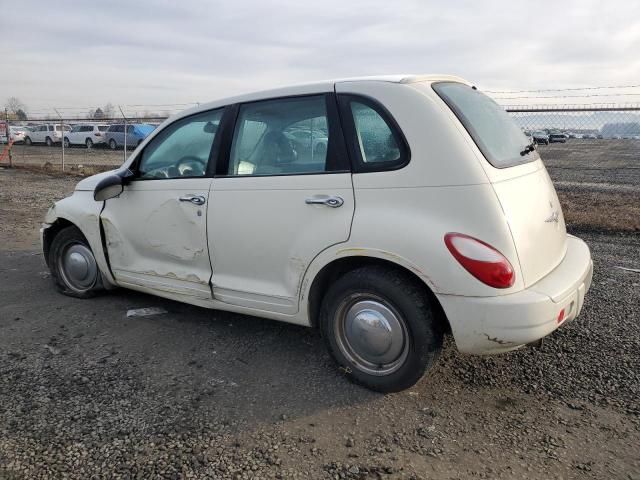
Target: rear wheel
(73, 266)
(89, 143)
(112, 144)
(66, 142)
(48, 141)
(380, 328)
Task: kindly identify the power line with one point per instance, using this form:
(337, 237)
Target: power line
(571, 96)
(560, 89)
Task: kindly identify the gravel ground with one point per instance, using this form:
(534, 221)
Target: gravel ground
(86, 392)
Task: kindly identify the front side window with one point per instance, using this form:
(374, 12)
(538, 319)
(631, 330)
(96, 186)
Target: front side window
(182, 149)
(497, 135)
(281, 137)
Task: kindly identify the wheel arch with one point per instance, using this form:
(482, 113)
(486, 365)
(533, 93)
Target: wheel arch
(48, 234)
(72, 211)
(339, 266)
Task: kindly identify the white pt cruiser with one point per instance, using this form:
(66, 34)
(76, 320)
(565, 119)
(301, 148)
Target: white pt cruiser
(385, 211)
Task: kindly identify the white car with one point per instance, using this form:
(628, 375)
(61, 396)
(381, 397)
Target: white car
(47, 134)
(17, 133)
(428, 213)
(87, 134)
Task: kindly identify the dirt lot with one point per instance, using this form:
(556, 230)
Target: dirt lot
(86, 392)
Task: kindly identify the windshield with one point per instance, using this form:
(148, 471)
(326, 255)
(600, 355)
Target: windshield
(494, 131)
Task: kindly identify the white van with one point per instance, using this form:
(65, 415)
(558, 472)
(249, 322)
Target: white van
(385, 211)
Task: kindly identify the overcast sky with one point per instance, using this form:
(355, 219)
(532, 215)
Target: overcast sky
(84, 54)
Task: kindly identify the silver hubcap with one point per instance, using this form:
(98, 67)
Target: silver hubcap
(372, 335)
(78, 267)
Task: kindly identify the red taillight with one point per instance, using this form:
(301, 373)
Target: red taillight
(481, 260)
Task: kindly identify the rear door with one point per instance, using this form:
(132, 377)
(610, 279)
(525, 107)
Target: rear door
(156, 232)
(519, 179)
(282, 194)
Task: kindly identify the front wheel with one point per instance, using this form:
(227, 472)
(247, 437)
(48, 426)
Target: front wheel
(27, 141)
(73, 266)
(89, 143)
(380, 328)
(112, 144)
(66, 142)
(48, 141)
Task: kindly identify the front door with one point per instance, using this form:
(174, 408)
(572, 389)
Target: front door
(282, 195)
(155, 230)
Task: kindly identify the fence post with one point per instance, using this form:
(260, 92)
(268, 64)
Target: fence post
(8, 131)
(124, 154)
(61, 135)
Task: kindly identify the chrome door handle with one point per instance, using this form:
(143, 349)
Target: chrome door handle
(195, 199)
(328, 200)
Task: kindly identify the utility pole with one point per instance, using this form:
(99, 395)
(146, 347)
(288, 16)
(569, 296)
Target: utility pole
(61, 136)
(124, 154)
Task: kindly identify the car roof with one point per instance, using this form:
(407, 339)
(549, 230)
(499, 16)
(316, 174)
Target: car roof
(313, 87)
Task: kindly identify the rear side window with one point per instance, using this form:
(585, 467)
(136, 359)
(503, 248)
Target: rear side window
(498, 137)
(373, 137)
(103, 128)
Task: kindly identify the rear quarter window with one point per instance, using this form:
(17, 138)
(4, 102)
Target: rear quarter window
(493, 130)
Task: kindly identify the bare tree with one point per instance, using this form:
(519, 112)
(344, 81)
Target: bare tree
(14, 104)
(108, 111)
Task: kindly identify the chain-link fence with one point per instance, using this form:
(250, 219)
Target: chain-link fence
(89, 145)
(577, 122)
(76, 144)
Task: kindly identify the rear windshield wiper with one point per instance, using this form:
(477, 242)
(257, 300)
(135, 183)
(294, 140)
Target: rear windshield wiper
(528, 149)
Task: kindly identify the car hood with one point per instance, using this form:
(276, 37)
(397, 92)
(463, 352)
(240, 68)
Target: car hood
(89, 183)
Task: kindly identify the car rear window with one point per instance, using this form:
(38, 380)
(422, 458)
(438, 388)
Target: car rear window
(103, 128)
(497, 135)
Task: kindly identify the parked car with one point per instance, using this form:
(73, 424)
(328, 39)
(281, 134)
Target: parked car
(16, 133)
(47, 134)
(87, 134)
(540, 138)
(378, 243)
(589, 136)
(557, 138)
(136, 133)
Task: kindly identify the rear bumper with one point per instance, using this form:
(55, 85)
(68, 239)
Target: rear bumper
(487, 325)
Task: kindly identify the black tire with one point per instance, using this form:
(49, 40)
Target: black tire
(27, 141)
(48, 141)
(404, 296)
(71, 237)
(112, 144)
(89, 143)
(67, 143)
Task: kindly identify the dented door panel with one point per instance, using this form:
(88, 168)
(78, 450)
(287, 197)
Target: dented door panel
(263, 235)
(156, 240)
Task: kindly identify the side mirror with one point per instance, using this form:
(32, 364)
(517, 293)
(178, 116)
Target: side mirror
(111, 186)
